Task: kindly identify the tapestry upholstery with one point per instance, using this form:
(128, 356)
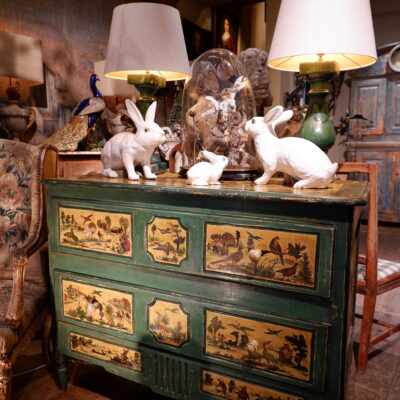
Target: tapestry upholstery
(20, 200)
(21, 233)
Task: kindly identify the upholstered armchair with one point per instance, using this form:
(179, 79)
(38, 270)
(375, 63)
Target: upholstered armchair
(23, 282)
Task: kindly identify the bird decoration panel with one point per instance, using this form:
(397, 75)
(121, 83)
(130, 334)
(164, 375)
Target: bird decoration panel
(167, 240)
(98, 306)
(117, 355)
(277, 349)
(99, 231)
(168, 322)
(265, 254)
(227, 387)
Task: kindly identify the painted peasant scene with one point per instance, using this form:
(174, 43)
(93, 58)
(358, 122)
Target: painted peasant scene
(96, 230)
(273, 348)
(98, 306)
(261, 253)
(106, 351)
(233, 389)
(167, 240)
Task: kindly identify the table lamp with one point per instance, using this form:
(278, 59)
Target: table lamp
(21, 67)
(113, 87)
(319, 38)
(146, 47)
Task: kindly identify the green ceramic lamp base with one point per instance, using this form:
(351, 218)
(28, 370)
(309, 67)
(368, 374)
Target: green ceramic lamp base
(317, 125)
(147, 84)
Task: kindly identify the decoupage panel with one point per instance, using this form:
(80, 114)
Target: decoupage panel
(168, 322)
(231, 388)
(105, 351)
(278, 349)
(167, 240)
(92, 230)
(259, 253)
(97, 305)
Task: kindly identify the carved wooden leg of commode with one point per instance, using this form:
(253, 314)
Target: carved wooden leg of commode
(5, 376)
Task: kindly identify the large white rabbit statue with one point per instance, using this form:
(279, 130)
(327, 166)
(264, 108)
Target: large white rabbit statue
(128, 150)
(295, 156)
(207, 172)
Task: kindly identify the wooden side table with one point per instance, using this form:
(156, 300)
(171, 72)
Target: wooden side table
(77, 163)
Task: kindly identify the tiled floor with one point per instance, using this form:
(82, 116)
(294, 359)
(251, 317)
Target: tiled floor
(380, 382)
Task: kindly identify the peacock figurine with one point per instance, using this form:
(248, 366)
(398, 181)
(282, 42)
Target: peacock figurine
(83, 119)
(92, 106)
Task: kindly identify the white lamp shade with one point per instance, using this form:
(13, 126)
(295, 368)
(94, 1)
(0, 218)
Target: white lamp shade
(146, 37)
(341, 30)
(112, 87)
(21, 58)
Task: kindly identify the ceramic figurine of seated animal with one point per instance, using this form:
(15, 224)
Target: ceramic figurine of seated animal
(207, 172)
(128, 150)
(296, 156)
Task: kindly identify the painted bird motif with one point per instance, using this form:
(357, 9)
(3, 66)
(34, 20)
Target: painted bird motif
(234, 257)
(254, 237)
(71, 235)
(86, 219)
(273, 332)
(241, 328)
(92, 106)
(288, 272)
(276, 248)
(165, 231)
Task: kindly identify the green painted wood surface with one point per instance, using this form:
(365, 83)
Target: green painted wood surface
(349, 193)
(326, 309)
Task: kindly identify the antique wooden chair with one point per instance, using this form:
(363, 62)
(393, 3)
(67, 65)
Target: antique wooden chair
(375, 276)
(23, 274)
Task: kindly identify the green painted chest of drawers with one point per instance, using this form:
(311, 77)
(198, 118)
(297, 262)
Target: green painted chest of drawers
(236, 292)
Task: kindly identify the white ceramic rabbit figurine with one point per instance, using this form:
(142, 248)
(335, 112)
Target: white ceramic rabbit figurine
(207, 172)
(296, 156)
(128, 150)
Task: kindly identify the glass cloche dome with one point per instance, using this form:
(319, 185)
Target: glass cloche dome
(217, 102)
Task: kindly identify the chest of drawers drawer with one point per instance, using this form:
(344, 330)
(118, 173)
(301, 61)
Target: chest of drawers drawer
(191, 327)
(287, 255)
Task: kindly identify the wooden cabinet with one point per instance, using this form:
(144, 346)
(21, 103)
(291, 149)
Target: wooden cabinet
(77, 163)
(240, 291)
(375, 94)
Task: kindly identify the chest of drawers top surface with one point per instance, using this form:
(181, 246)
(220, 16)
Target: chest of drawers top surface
(343, 192)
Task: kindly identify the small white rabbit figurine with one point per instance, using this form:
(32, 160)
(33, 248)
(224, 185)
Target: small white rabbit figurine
(128, 150)
(296, 156)
(207, 173)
